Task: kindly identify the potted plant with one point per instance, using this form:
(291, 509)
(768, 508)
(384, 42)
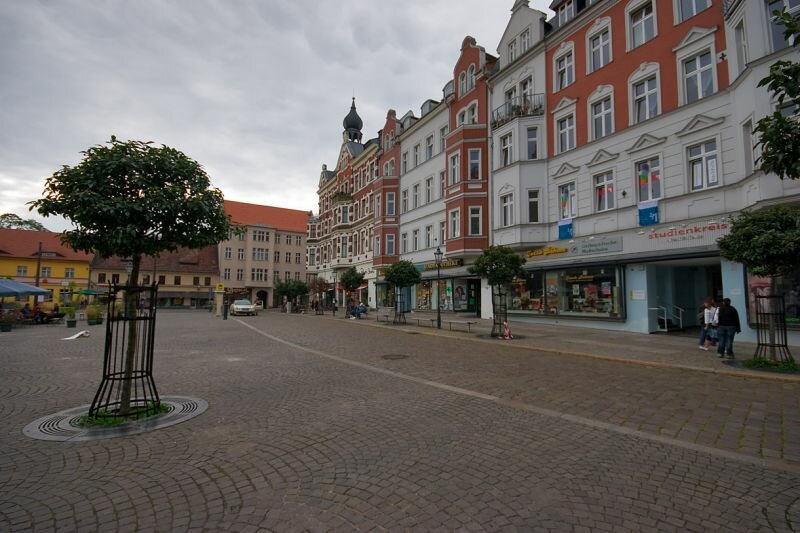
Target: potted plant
(69, 311)
(94, 315)
(7, 319)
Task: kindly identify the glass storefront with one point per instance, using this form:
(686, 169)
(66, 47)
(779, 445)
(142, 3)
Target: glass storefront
(587, 292)
(787, 286)
(423, 300)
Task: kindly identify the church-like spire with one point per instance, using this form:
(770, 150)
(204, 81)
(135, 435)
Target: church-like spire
(352, 124)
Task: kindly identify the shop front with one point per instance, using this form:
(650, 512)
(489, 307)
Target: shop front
(458, 290)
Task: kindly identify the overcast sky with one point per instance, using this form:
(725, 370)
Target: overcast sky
(254, 90)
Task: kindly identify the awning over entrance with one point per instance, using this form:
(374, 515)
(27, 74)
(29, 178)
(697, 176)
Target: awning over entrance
(460, 272)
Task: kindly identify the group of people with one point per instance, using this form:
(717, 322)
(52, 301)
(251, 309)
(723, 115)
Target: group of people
(39, 316)
(357, 310)
(718, 326)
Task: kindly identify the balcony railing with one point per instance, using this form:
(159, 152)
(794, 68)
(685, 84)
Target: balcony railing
(340, 197)
(526, 105)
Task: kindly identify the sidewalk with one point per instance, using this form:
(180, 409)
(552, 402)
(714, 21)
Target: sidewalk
(662, 350)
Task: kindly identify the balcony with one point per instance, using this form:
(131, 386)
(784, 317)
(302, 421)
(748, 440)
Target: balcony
(527, 105)
(342, 197)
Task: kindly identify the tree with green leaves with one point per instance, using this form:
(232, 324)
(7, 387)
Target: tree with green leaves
(767, 243)
(351, 279)
(13, 221)
(499, 265)
(131, 199)
(401, 274)
(779, 132)
(291, 289)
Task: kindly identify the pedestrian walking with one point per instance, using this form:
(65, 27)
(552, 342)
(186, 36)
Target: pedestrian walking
(727, 319)
(708, 329)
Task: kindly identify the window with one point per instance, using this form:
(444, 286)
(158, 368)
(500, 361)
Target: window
(343, 243)
(471, 77)
(604, 191)
(533, 206)
(429, 190)
(698, 76)
(226, 273)
(390, 204)
(455, 223)
(276, 276)
(162, 280)
(565, 73)
(415, 195)
(240, 254)
(403, 243)
(416, 155)
(703, 165)
(649, 179)
(377, 205)
(568, 200)
(462, 84)
(474, 164)
(403, 200)
(257, 274)
(22, 270)
(260, 254)
(442, 230)
(740, 40)
(146, 279)
(747, 139)
(378, 244)
(454, 170)
(287, 276)
(259, 235)
(474, 220)
(101, 277)
(566, 133)
(415, 240)
(298, 240)
(506, 149)
(46, 272)
(512, 51)
(442, 184)
(524, 40)
(297, 258)
(443, 138)
(645, 99)
(565, 12)
(533, 146)
(404, 162)
(429, 147)
(391, 167)
(196, 281)
(227, 252)
(428, 236)
(599, 50)
(642, 25)
(115, 279)
(472, 114)
(243, 236)
(390, 244)
(277, 257)
(297, 276)
(288, 258)
(776, 30)
(177, 280)
(69, 273)
(507, 210)
(690, 8)
(602, 119)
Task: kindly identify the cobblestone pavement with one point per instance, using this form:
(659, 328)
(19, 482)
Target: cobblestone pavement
(309, 427)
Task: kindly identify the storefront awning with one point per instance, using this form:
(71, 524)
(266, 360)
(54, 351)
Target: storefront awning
(448, 273)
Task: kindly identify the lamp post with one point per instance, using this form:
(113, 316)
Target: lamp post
(438, 256)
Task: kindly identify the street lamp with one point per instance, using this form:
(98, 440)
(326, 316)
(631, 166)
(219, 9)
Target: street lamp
(438, 256)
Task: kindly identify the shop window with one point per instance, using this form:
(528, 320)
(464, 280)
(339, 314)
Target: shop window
(787, 285)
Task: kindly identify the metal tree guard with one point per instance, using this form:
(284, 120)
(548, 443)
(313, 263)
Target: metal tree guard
(399, 309)
(771, 329)
(121, 331)
(499, 310)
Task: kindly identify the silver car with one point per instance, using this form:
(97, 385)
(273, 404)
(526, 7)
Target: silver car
(243, 307)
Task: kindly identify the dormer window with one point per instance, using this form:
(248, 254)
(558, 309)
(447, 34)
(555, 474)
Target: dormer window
(565, 12)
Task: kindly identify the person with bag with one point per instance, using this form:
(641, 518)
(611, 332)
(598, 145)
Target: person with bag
(727, 320)
(707, 328)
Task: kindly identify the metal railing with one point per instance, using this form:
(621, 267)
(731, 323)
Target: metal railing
(521, 106)
(666, 318)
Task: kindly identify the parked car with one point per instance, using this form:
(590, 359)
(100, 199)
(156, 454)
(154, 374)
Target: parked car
(243, 307)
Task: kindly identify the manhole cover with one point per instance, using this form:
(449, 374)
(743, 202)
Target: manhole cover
(394, 356)
(62, 426)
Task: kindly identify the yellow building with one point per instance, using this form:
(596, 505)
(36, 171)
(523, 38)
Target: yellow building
(26, 255)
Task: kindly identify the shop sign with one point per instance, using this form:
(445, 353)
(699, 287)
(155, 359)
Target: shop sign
(447, 263)
(577, 278)
(548, 250)
(598, 246)
(565, 229)
(688, 233)
(648, 213)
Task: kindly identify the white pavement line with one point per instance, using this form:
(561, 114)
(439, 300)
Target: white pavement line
(550, 413)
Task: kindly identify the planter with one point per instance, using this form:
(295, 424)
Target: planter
(71, 323)
(91, 321)
(5, 326)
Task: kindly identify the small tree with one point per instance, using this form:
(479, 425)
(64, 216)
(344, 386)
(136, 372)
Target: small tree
(499, 265)
(12, 221)
(401, 274)
(291, 289)
(351, 279)
(767, 242)
(318, 287)
(130, 199)
(780, 151)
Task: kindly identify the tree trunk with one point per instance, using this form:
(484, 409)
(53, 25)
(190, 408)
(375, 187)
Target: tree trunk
(130, 301)
(773, 352)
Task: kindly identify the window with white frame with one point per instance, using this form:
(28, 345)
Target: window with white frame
(524, 41)
(703, 165)
(565, 70)
(507, 210)
(46, 272)
(277, 257)
(776, 30)
(565, 12)
(604, 191)
(404, 200)
(239, 274)
(415, 196)
(602, 118)
(461, 118)
(645, 99)
(648, 179)
(288, 258)
(475, 220)
(442, 183)
(403, 243)
(429, 190)
(533, 143)
(429, 236)
(599, 49)
(568, 201)
(526, 89)
(226, 274)
(512, 51)
(455, 223)
(389, 204)
(565, 129)
(389, 244)
(533, 206)
(404, 162)
(698, 76)
(506, 149)
(740, 40)
(641, 25)
(260, 254)
(462, 84)
(747, 141)
(429, 147)
(471, 77)
(227, 252)
(240, 254)
(472, 114)
(455, 174)
(474, 164)
(442, 231)
(689, 8)
(377, 205)
(443, 138)
(415, 240)
(391, 167)
(377, 244)
(416, 155)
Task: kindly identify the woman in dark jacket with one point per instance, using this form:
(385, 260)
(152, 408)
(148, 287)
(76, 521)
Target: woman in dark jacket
(728, 326)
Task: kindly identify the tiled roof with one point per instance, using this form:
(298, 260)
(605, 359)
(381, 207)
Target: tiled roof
(265, 215)
(25, 244)
(183, 260)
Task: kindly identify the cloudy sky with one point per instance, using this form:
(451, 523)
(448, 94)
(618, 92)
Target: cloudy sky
(254, 90)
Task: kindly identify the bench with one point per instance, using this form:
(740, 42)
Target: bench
(384, 314)
(468, 323)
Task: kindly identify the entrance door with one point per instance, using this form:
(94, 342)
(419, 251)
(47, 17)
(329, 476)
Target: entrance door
(262, 295)
(474, 296)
